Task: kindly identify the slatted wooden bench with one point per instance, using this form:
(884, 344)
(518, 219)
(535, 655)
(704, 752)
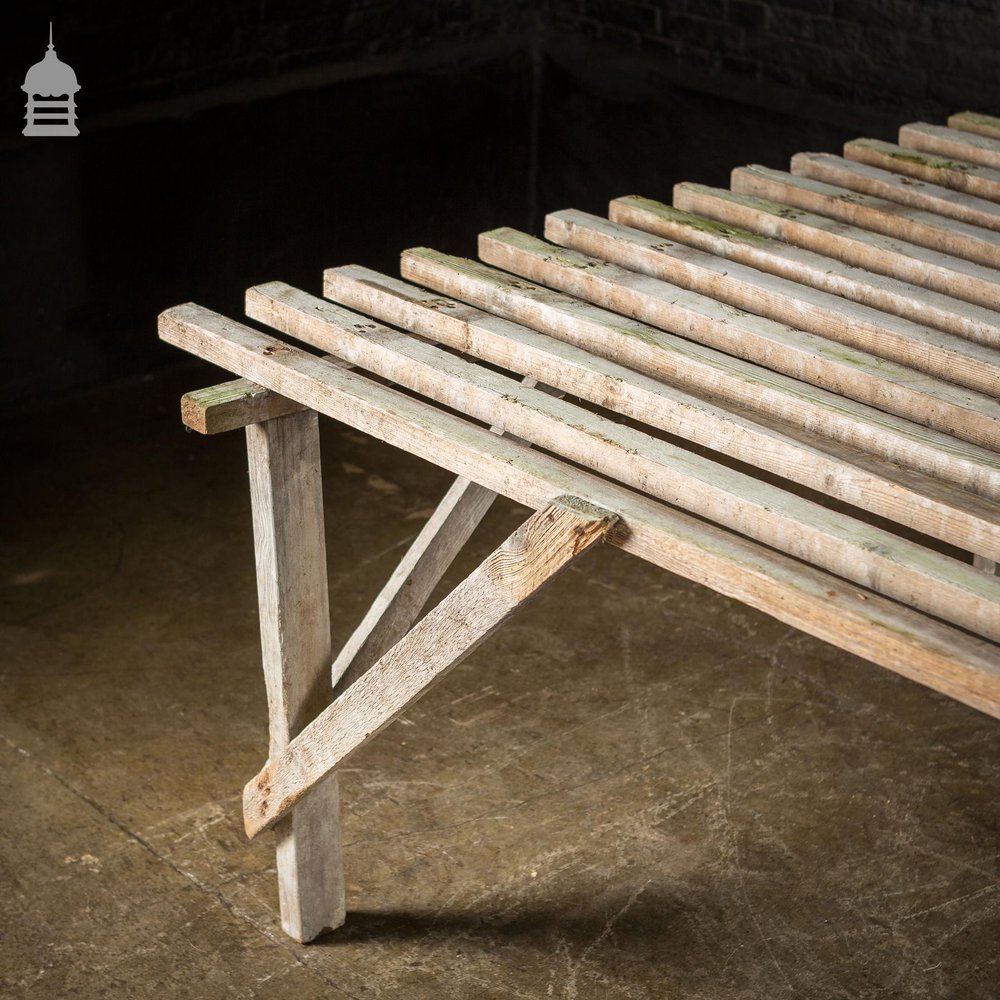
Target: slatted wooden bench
(809, 365)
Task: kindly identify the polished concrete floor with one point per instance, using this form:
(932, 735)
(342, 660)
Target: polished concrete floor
(636, 789)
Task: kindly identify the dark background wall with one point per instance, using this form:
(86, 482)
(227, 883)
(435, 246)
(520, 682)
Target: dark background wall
(227, 144)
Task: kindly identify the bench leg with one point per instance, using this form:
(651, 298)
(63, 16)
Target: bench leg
(289, 541)
(510, 576)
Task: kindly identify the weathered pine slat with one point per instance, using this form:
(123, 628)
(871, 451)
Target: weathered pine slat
(786, 260)
(287, 501)
(982, 246)
(510, 576)
(920, 502)
(230, 405)
(850, 372)
(880, 334)
(685, 364)
(971, 121)
(801, 596)
(859, 552)
(877, 253)
(897, 187)
(959, 175)
(943, 141)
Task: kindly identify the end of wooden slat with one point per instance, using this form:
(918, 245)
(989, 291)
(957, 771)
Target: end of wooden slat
(799, 163)
(258, 813)
(595, 522)
(973, 121)
(232, 405)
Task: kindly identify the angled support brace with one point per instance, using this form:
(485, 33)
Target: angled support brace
(404, 595)
(512, 574)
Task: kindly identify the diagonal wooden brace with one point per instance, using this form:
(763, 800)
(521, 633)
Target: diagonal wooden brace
(509, 576)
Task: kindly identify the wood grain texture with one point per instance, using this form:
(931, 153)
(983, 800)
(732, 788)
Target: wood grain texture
(853, 245)
(859, 552)
(289, 543)
(849, 373)
(504, 582)
(878, 215)
(682, 363)
(856, 284)
(897, 187)
(881, 630)
(822, 313)
(943, 141)
(972, 121)
(405, 593)
(959, 175)
(230, 405)
(918, 501)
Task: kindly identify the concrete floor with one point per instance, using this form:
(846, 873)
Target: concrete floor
(635, 789)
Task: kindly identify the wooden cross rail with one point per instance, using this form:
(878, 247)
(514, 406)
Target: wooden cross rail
(810, 364)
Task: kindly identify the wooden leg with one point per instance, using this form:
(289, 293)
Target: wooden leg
(513, 573)
(287, 499)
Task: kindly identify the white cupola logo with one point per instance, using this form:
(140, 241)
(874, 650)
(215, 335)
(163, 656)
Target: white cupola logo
(51, 88)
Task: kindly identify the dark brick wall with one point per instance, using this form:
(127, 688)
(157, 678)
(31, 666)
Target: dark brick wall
(934, 55)
(129, 53)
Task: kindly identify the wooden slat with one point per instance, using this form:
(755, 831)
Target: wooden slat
(851, 373)
(832, 469)
(851, 244)
(900, 298)
(230, 405)
(951, 142)
(689, 365)
(981, 246)
(898, 188)
(287, 501)
(971, 121)
(881, 630)
(510, 576)
(956, 174)
(862, 553)
(822, 313)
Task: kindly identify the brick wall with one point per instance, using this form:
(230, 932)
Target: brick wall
(935, 55)
(931, 55)
(130, 53)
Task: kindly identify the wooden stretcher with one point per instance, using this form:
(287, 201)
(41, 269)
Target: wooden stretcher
(788, 392)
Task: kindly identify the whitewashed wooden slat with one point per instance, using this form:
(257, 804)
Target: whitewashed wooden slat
(924, 504)
(685, 364)
(960, 175)
(897, 187)
(884, 631)
(880, 254)
(981, 246)
(848, 372)
(856, 551)
(822, 313)
(943, 312)
(943, 141)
